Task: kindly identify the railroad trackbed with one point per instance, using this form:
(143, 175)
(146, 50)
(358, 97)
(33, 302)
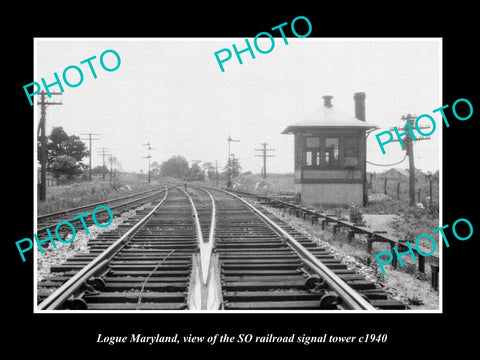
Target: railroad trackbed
(117, 206)
(199, 248)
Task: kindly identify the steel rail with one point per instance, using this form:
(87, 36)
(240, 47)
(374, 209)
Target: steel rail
(212, 293)
(350, 297)
(331, 218)
(43, 228)
(205, 291)
(79, 208)
(59, 296)
(205, 247)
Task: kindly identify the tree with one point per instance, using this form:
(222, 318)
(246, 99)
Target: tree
(210, 170)
(65, 154)
(235, 167)
(66, 166)
(176, 166)
(60, 143)
(155, 169)
(195, 173)
(99, 170)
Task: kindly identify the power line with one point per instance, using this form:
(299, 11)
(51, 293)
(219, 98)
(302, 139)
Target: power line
(264, 155)
(404, 157)
(103, 153)
(148, 157)
(112, 160)
(229, 182)
(89, 153)
(408, 147)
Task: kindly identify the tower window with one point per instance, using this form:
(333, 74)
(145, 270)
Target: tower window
(312, 158)
(312, 151)
(351, 152)
(331, 151)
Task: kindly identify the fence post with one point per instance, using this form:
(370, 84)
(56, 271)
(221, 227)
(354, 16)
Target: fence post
(434, 269)
(421, 264)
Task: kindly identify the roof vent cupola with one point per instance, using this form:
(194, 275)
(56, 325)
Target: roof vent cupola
(327, 101)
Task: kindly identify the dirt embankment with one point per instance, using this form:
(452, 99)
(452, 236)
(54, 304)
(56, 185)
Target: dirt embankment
(275, 184)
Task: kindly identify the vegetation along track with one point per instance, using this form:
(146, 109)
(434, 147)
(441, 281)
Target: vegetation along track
(207, 249)
(117, 205)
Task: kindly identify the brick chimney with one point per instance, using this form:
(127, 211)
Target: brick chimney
(359, 98)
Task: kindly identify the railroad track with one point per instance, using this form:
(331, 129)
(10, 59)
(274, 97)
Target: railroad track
(117, 205)
(207, 249)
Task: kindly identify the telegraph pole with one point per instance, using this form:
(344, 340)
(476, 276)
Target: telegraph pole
(408, 147)
(229, 182)
(233, 165)
(216, 173)
(90, 153)
(41, 133)
(148, 157)
(264, 155)
(112, 160)
(103, 153)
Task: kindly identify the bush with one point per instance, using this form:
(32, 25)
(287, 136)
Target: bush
(356, 216)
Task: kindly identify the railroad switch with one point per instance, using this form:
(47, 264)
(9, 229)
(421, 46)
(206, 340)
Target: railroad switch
(78, 302)
(90, 287)
(315, 283)
(329, 301)
(97, 283)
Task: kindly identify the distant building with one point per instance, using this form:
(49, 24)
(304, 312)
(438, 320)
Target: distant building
(395, 174)
(51, 181)
(330, 154)
(402, 174)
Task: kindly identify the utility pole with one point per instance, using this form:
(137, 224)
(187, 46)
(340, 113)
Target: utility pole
(89, 153)
(103, 153)
(429, 177)
(148, 157)
(216, 173)
(41, 133)
(114, 166)
(264, 155)
(408, 147)
(233, 165)
(229, 182)
(111, 160)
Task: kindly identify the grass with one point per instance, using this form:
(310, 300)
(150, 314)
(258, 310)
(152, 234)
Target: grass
(422, 187)
(275, 184)
(64, 197)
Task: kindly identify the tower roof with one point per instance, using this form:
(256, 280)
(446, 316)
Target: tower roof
(328, 116)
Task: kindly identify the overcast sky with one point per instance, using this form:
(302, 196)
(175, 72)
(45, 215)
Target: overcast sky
(172, 93)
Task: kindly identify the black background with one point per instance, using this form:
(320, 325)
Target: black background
(410, 334)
